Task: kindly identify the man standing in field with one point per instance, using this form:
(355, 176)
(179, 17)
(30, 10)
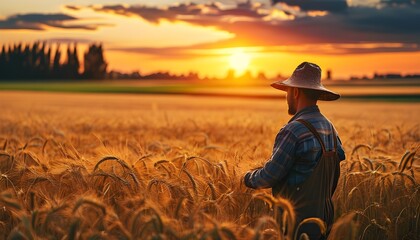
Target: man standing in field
(305, 164)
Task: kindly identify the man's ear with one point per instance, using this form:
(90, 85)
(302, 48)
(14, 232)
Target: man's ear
(296, 92)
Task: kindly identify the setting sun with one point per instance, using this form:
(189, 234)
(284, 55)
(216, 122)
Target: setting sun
(239, 61)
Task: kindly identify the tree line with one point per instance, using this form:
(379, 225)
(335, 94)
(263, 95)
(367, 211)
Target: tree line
(40, 61)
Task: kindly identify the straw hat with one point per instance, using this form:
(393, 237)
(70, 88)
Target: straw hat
(307, 75)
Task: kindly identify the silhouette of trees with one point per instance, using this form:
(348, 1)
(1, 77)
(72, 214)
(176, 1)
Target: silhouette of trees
(56, 67)
(230, 74)
(40, 61)
(71, 66)
(95, 65)
(168, 76)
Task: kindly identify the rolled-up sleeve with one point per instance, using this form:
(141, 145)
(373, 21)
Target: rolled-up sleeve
(276, 168)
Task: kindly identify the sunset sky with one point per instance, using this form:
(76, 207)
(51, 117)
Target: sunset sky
(356, 37)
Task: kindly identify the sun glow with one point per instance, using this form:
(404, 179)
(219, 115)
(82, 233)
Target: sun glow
(239, 61)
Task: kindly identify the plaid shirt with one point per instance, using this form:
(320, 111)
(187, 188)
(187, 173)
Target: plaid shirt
(296, 151)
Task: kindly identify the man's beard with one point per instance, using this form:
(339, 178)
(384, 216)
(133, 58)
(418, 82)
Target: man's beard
(292, 107)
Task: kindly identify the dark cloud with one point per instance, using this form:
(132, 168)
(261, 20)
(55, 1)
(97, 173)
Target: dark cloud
(76, 8)
(399, 2)
(36, 21)
(184, 11)
(199, 51)
(67, 40)
(167, 52)
(391, 22)
(316, 5)
(256, 25)
(150, 14)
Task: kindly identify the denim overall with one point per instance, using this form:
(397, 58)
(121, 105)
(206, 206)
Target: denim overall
(313, 197)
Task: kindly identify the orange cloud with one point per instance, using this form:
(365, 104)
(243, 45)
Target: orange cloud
(38, 21)
(283, 25)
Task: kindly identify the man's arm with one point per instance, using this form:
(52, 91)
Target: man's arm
(278, 166)
(340, 150)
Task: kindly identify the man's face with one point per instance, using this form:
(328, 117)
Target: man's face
(291, 102)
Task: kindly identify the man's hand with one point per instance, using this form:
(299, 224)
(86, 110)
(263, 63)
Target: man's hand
(246, 178)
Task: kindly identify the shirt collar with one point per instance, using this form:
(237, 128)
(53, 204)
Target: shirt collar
(306, 110)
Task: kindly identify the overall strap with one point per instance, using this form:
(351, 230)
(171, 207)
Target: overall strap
(313, 130)
(335, 139)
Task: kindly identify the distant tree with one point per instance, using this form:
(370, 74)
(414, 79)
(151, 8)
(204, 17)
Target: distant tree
(26, 63)
(71, 66)
(43, 62)
(3, 61)
(56, 66)
(261, 76)
(12, 55)
(329, 74)
(230, 74)
(39, 61)
(279, 76)
(94, 63)
(192, 76)
(34, 72)
(76, 63)
(246, 76)
(47, 60)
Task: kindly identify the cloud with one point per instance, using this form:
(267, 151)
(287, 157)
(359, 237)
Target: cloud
(316, 5)
(205, 50)
(75, 8)
(399, 2)
(254, 24)
(36, 21)
(166, 52)
(150, 14)
(67, 40)
(391, 22)
(185, 11)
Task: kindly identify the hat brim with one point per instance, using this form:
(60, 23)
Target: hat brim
(326, 95)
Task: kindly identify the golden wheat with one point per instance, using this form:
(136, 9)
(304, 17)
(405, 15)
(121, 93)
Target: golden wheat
(171, 168)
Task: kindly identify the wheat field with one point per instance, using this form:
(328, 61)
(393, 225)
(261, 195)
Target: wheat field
(92, 166)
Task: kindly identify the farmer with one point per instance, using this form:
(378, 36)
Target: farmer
(305, 164)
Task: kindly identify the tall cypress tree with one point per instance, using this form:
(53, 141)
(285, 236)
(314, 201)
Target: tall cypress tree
(56, 69)
(38, 61)
(94, 63)
(34, 58)
(42, 61)
(3, 62)
(72, 64)
(26, 64)
(76, 61)
(47, 60)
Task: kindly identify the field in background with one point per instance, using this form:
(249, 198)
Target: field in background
(138, 166)
(400, 90)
